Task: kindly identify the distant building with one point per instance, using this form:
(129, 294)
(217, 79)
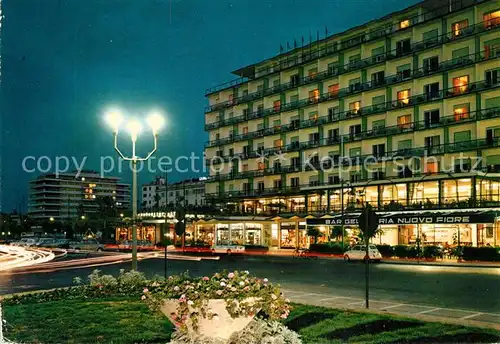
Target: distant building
(62, 197)
(189, 192)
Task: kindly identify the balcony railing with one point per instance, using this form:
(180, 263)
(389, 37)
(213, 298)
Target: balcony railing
(362, 87)
(326, 164)
(331, 48)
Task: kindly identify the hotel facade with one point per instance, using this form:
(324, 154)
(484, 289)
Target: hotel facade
(402, 113)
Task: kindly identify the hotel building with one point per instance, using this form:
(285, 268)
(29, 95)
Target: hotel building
(189, 193)
(402, 113)
(62, 197)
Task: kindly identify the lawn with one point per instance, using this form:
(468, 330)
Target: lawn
(125, 320)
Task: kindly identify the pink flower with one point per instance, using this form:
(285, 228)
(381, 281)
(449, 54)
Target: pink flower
(182, 298)
(230, 275)
(143, 297)
(222, 284)
(206, 278)
(284, 316)
(146, 290)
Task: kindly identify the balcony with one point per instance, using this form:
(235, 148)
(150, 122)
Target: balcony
(389, 80)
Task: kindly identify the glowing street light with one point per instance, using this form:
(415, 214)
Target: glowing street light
(155, 121)
(51, 219)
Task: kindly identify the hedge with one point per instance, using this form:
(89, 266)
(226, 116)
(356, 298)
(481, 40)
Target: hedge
(387, 251)
(332, 248)
(489, 254)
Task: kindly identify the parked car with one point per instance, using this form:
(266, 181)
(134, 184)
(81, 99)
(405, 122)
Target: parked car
(358, 252)
(87, 245)
(142, 245)
(228, 247)
(45, 242)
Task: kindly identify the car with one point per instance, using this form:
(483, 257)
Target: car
(228, 247)
(27, 242)
(87, 245)
(45, 242)
(358, 252)
(142, 245)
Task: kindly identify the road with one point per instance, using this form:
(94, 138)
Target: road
(474, 289)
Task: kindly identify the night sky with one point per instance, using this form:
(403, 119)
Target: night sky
(65, 61)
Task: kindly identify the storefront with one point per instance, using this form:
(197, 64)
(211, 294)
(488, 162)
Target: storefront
(445, 228)
(241, 231)
(145, 232)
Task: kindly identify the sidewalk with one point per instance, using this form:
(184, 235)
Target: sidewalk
(422, 312)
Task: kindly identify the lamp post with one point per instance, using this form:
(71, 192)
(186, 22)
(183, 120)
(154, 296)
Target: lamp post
(155, 122)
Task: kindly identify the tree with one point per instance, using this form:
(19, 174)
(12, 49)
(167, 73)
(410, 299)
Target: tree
(337, 233)
(315, 233)
(107, 212)
(157, 201)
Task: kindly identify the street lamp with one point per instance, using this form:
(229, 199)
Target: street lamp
(155, 121)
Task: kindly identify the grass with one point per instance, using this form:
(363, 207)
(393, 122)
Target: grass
(126, 320)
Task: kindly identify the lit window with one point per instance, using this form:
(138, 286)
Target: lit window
(431, 167)
(277, 105)
(458, 27)
(404, 122)
(492, 19)
(333, 89)
(460, 84)
(461, 113)
(404, 97)
(314, 95)
(355, 106)
(245, 130)
(230, 99)
(278, 143)
(404, 24)
(260, 166)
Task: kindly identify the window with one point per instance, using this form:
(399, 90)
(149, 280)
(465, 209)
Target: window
(333, 90)
(378, 78)
(431, 64)
(260, 108)
(276, 82)
(404, 145)
(231, 151)
(404, 122)
(276, 123)
(277, 165)
(294, 98)
(294, 182)
(332, 68)
(458, 27)
(404, 24)
(492, 76)
(312, 73)
(460, 54)
(404, 71)
(246, 150)
(261, 166)
(403, 47)
(260, 147)
(333, 179)
(354, 107)
(378, 150)
(462, 136)
(294, 80)
(379, 100)
(217, 137)
(314, 138)
(260, 186)
(333, 113)
(295, 161)
(245, 113)
(404, 97)
(333, 135)
(313, 181)
(460, 84)
(277, 184)
(278, 143)
(432, 90)
(260, 88)
(492, 19)
(355, 176)
(432, 141)
(260, 126)
(431, 36)
(314, 95)
(431, 118)
(461, 112)
(277, 105)
(431, 167)
(245, 93)
(313, 116)
(246, 187)
(245, 130)
(294, 142)
(355, 84)
(354, 59)
(355, 130)
(353, 152)
(378, 125)
(378, 53)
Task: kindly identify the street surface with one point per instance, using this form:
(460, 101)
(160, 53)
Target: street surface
(457, 292)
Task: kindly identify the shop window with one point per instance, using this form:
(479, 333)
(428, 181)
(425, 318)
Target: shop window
(404, 24)
(277, 105)
(314, 95)
(333, 90)
(491, 19)
(458, 27)
(404, 97)
(460, 84)
(461, 112)
(404, 122)
(354, 107)
(253, 234)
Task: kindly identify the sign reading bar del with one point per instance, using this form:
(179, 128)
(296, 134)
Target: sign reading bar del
(406, 219)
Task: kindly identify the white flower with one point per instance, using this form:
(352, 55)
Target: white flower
(266, 280)
(222, 284)
(242, 283)
(273, 296)
(176, 288)
(190, 302)
(143, 297)
(246, 272)
(215, 317)
(287, 300)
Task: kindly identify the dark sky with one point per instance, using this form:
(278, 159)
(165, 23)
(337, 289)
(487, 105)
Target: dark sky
(65, 61)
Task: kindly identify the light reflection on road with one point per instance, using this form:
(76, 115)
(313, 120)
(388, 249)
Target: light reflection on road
(12, 257)
(435, 269)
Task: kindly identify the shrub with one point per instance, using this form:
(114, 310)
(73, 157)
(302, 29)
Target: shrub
(412, 252)
(256, 248)
(432, 252)
(386, 251)
(401, 251)
(332, 248)
(489, 254)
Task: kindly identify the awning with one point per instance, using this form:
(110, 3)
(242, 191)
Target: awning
(406, 218)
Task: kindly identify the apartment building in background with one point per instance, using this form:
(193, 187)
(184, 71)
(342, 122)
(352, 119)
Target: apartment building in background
(189, 192)
(402, 113)
(62, 197)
